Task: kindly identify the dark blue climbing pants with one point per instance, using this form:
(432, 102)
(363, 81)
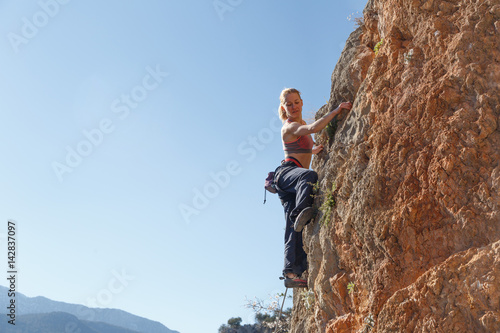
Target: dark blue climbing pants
(294, 185)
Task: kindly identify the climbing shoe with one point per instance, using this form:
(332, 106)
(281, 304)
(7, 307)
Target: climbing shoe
(303, 218)
(295, 283)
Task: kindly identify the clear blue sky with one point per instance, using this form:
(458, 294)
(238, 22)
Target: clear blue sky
(136, 137)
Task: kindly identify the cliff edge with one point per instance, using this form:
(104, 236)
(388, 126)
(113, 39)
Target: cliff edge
(412, 242)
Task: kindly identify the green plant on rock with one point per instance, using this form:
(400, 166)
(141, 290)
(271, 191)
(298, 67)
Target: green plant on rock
(327, 206)
(350, 287)
(378, 46)
(331, 128)
(315, 189)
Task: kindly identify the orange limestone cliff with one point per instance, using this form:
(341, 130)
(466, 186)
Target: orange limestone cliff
(407, 238)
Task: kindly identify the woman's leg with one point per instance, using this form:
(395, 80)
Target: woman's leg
(299, 181)
(295, 189)
(295, 256)
(288, 201)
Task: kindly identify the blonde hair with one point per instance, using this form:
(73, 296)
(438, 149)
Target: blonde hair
(285, 92)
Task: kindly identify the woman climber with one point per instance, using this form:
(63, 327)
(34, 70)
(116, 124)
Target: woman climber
(294, 181)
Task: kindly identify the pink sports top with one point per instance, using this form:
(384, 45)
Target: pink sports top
(303, 144)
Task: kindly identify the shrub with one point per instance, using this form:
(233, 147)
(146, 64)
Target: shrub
(378, 46)
(327, 206)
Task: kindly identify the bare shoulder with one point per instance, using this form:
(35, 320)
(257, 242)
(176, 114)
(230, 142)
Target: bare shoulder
(288, 131)
(290, 127)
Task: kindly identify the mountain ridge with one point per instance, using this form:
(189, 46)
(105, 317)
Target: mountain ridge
(42, 305)
(58, 322)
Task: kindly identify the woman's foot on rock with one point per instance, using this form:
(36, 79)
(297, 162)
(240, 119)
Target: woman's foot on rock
(303, 218)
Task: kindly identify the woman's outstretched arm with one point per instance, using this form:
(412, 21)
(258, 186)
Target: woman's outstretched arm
(297, 129)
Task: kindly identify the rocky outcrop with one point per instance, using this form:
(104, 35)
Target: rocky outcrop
(412, 243)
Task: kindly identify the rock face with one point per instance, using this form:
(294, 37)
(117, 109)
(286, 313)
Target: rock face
(413, 241)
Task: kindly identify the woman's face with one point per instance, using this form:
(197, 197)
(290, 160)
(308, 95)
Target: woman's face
(293, 105)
